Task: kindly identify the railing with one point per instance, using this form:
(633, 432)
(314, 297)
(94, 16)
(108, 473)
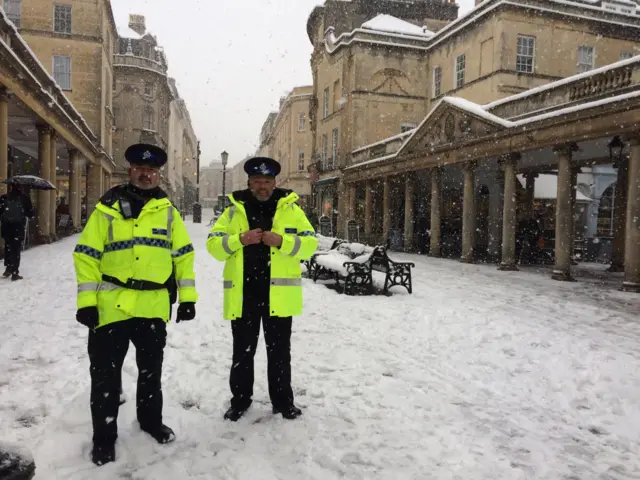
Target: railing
(589, 86)
(378, 150)
(141, 62)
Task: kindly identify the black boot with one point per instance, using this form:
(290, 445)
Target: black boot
(6, 273)
(162, 434)
(234, 414)
(103, 453)
(290, 412)
(15, 277)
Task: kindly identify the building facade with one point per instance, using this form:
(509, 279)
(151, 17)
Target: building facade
(41, 131)
(381, 78)
(142, 97)
(211, 181)
(286, 136)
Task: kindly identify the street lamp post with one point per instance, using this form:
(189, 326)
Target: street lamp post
(225, 158)
(197, 208)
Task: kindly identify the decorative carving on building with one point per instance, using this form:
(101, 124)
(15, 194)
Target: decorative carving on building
(390, 80)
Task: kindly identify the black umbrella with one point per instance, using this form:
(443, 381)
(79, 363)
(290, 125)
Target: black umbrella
(30, 181)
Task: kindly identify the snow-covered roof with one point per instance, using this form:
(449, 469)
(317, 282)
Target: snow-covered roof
(546, 187)
(388, 23)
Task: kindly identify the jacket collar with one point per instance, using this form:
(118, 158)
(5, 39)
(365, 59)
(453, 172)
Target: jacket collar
(154, 203)
(238, 198)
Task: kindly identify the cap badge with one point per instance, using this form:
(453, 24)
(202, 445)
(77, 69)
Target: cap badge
(146, 155)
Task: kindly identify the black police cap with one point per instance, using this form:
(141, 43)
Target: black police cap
(262, 166)
(145, 154)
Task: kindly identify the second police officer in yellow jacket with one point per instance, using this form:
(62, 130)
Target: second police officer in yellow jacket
(262, 237)
(133, 246)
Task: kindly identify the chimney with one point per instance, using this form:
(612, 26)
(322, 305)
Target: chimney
(137, 24)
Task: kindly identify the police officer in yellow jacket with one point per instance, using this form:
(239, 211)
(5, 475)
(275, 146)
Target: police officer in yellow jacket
(262, 237)
(133, 246)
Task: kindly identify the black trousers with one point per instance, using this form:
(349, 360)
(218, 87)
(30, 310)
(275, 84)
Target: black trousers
(108, 347)
(277, 337)
(13, 236)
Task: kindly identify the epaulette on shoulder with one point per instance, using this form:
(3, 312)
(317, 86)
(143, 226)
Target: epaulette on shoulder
(112, 196)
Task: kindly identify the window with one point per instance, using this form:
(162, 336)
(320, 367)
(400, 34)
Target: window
(625, 55)
(12, 9)
(148, 89)
(325, 149)
(337, 95)
(405, 127)
(62, 18)
(437, 81)
(147, 118)
(325, 103)
(585, 58)
(526, 53)
(62, 71)
(302, 122)
(334, 148)
(459, 72)
(300, 160)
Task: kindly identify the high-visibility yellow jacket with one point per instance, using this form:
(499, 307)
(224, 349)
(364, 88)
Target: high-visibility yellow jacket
(299, 242)
(147, 248)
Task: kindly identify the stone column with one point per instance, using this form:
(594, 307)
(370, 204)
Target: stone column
(44, 196)
(4, 139)
(53, 159)
(619, 217)
(530, 193)
(74, 187)
(496, 207)
(468, 213)
(94, 186)
(408, 214)
(509, 219)
(564, 213)
(631, 281)
(368, 210)
(435, 249)
(386, 209)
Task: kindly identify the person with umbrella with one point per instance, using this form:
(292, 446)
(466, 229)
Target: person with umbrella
(15, 209)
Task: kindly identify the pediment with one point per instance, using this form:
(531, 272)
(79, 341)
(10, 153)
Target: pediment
(453, 121)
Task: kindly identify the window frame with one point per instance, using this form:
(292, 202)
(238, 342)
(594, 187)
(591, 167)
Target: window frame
(68, 10)
(437, 81)
(525, 56)
(10, 12)
(581, 65)
(69, 72)
(300, 156)
(325, 103)
(325, 149)
(626, 55)
(458, 79)
(148, 110)
(335, 141)
(302, 122)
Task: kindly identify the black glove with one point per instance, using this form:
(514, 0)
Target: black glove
(186, 311)
(88, 316)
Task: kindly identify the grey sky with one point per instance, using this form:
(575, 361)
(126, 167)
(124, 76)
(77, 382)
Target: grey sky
(232, 60)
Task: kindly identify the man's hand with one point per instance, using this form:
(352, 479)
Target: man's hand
(271, 239)
(186, 312)
(252, 237)
(88, 316)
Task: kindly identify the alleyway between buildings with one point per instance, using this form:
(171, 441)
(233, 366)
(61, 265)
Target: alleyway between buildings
(479, 374)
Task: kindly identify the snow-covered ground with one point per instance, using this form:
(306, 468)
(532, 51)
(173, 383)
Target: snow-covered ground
(479, 374)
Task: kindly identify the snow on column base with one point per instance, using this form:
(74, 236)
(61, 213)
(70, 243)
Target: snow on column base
(508, 267)
(630, 287)
(16, 463)
(562, 276)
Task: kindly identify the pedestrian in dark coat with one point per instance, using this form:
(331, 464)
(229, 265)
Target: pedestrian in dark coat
(15, 210)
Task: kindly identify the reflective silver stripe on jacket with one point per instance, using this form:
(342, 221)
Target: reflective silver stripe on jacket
(169, 222)
(228, 284)
(225, 244)
(107, 287)
(110, 229)
(307, 233)
(232, 211)
(286, 282)
(296, 246)
(88, 287)
(186, 283)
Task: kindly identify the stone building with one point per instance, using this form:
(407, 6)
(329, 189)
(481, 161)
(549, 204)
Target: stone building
(182, 151)
(57, 75)
(142, 97)
(381, 78)
(286, 136)
(211, 178)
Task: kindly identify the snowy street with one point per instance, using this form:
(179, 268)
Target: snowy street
(479, 374)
